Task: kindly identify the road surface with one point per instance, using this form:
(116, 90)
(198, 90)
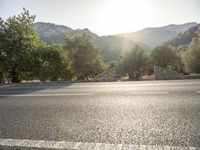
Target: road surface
(147, 113)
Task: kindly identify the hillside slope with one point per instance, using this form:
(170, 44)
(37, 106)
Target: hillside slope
(184, 38)
(155, 36)
(111, 46)
(115, 45)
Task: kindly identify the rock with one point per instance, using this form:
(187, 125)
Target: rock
(109, 75)
(165, 74)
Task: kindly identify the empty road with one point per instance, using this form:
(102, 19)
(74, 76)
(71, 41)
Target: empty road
(147, 113)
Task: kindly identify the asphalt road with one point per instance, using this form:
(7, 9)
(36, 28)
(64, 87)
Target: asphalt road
(144, 112)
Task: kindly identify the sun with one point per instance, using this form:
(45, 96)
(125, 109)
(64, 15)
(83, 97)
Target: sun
(120, 16)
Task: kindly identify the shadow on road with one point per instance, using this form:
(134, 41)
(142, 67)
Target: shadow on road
(20, 89)
(25, 148)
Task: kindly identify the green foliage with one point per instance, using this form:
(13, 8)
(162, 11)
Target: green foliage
(86, 59)
(24, 57)
(147, 69)
(111, 47)
(52, 63)
(163, 56)
(178, 63)
(18, 40)
(133, 61)
(191, 57)
(2, 59)
(1, 73)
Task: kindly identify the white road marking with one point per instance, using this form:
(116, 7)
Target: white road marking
(97, 146)
(119, 147)
(166, 147)
(80, 146)
(76, 145)
(43, 95)
(147, 92)
(142, 147)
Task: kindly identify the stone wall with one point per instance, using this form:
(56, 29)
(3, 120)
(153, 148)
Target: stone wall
(159, 74)
(109, 75)
(165, 74)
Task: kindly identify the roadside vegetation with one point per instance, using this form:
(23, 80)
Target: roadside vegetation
(23, 56)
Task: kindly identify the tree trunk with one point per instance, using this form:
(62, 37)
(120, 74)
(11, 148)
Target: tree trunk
(130, 75)
(86, 77)
(14, 76)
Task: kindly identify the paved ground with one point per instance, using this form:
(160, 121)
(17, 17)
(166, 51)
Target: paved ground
(137, 113)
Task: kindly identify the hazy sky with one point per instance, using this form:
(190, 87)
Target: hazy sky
(107, 16)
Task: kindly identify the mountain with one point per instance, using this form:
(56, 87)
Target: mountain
(114, 45)
(156, 36)
(49, 29)
(52, 33)
(111, 46)
(184, 38)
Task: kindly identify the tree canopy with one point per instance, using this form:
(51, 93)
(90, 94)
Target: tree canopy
(51, 63)
(86, 59)
(163, 56)
(133, 61)
(18, 40)
(23, 56)
(191, 57)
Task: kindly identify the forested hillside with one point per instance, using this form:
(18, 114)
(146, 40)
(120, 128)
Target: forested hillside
(184, 38)
(111, 47)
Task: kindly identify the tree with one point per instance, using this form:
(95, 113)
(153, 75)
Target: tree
(2, 53)
(51, 63)
(191, 57)
(163, 56)
(18, 40)
(86, 59)
(133, 62)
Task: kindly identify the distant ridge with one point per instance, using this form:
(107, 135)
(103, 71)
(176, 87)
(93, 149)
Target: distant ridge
(114, 45)
(52, 33)
(185, 38)
(111, 46)
(157, 35)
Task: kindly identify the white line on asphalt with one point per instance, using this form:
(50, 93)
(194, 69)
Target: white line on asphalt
(97, 146)
(79, 145)
(40, 95)
(167, 147)
(76, 145)
(142, 147)
(147, 92)
(119, 146)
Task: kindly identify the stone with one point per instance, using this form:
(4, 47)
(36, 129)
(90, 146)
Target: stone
(165, 74)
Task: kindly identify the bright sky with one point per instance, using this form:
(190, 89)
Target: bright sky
(106, 17)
